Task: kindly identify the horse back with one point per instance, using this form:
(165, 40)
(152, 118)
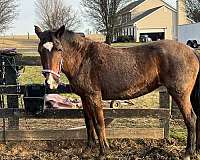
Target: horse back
(132, 72)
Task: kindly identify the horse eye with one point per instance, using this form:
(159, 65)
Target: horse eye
(60, 49)
(56, 42)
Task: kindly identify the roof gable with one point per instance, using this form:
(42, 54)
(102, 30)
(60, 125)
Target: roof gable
(134, 4)
(130, 6)
(169, 6)
(144, 14)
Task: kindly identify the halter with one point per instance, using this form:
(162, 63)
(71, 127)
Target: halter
(54, 73)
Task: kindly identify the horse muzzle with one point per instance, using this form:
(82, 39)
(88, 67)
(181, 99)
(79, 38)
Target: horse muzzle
(51, 82)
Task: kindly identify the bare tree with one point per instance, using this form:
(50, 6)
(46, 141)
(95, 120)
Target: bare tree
(54, 13)
(193, 9)
(103, 14)
(8, 12)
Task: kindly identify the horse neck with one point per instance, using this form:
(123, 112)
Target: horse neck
(73, 57)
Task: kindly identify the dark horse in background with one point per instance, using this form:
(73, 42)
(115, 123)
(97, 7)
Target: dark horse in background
(99, 72)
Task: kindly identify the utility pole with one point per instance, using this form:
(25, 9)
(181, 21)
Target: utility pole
(177, 18)
(28, 36)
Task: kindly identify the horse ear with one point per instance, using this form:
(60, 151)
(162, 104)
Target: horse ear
(38, 31)
(60, 32)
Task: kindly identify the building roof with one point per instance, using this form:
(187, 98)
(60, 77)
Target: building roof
(134, 4)
(140, 16)
(169, 6)
(130, 6)
(144, 14)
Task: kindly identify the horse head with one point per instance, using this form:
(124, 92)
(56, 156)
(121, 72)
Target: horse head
(51, 50)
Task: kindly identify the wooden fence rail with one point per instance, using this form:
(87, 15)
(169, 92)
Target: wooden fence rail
(80, 132)
(29, 61)
(78, 113)
(18, 90)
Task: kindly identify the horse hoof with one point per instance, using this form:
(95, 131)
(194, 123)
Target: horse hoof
(101, 157)
(91, 145)
(107, 146)
(87, 153)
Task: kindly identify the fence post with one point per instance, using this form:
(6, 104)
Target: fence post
(175, 109)
(165, 102)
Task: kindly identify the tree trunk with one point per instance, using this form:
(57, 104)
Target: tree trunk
(109, 37)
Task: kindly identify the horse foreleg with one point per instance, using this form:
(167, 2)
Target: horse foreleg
(99, 125)
(91, 141)
(190, 121)
(96, 110)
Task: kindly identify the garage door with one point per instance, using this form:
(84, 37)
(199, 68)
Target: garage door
(151, 30)
(154, 34)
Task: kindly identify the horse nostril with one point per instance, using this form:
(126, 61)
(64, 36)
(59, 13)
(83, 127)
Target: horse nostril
(46, 81)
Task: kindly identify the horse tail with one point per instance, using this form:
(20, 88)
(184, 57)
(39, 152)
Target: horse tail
(195, 95)
(195, 101)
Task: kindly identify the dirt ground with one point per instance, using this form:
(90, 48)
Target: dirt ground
(121, 149)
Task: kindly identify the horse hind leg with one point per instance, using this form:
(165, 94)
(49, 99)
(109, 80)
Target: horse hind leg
(195, 100)
(189, 117)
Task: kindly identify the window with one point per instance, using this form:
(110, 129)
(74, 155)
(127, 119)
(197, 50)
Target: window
(130, 31)
(128, 17)
(119, 20)
(124, 18)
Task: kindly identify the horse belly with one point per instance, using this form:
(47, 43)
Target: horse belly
(128, 75)
(130, 90)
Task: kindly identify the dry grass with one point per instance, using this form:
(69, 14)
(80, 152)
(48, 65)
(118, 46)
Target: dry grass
(21, 43)
(96, 37)
(121, 149)
(28, 47)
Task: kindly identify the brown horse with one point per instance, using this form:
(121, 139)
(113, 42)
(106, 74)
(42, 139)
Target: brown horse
(98, 71)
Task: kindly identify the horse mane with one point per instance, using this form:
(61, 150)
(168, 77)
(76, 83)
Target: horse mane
(69, 36)
(76, 41)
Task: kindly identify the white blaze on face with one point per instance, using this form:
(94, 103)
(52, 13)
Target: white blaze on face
(48, 46)
(51, 82)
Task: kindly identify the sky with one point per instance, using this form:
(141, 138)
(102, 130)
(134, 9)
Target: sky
(27, 18)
